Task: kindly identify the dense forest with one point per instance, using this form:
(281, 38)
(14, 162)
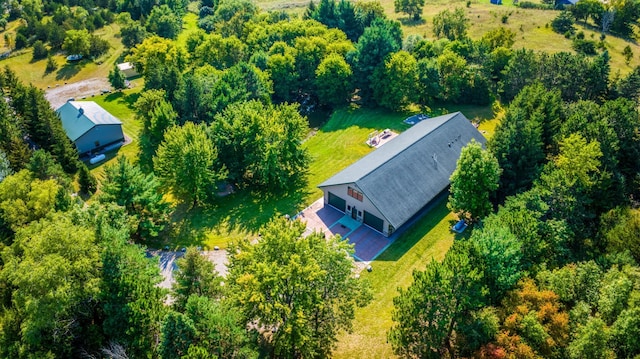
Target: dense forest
(549, 269)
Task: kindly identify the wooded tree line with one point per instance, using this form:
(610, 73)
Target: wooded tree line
(551, 267)
(73, 284)
(352, 51)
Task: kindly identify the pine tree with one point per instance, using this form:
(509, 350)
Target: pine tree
(88, 183)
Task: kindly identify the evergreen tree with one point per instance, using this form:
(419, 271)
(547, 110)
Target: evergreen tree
(125, 185)
(380, 39)
(432, 316)
(86, 180)
(117, 78)
(130, 298)
(196, 275)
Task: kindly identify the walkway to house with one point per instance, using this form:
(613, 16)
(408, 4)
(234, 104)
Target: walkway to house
(328, 220)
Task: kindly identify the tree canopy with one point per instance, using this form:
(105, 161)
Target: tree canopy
(472, 183)
(316, 290)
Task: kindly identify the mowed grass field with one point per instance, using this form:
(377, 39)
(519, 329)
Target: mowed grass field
(429, 239)
(532, 26)
(34, 71)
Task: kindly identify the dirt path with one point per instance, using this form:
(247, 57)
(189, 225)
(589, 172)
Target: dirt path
(57, 96)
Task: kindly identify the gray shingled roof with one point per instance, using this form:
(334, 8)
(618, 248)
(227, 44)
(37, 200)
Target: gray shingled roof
(406, 173)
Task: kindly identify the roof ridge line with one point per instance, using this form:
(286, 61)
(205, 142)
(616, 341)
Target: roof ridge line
(454, 114)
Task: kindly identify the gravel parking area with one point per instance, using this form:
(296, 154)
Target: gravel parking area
(58, 95)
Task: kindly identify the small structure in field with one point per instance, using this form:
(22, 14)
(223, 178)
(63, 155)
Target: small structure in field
(128, 69)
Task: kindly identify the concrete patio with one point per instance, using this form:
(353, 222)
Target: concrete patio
(328, 220)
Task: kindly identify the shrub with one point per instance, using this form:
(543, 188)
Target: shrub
(51, 64)
(533, 5)
(563, 23)
(628, 54)
(587, 47)
(98, 46)
(39, 50)
(20, 42)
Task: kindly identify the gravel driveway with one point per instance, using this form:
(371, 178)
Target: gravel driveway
(58, 95)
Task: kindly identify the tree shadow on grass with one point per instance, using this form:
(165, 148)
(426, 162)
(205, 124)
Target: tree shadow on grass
(70, 69)
(120, 96)
(410, 21)
(240, 214)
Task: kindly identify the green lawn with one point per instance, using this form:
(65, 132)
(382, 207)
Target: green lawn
(428, 239)
(189, 26)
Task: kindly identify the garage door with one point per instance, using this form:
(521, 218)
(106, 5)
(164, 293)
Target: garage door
(373, 221)
(337, 202)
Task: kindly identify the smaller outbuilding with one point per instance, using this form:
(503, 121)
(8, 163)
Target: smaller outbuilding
(128, 69)
(89, 126)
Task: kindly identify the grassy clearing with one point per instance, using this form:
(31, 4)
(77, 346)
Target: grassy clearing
(532, 26)
(189, 26)
(341, 142)
(428, 239)
(34, 71)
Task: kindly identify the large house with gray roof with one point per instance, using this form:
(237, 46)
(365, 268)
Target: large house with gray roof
(89, 126)
(389, 186)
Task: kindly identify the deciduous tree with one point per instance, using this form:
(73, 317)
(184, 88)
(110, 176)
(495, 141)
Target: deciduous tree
(299, 288)
(334, 81)
(451, 24)
(396, 84)
(117, 78)
(261, 144)
(77, 42)
(163, 22)
(472, 183)
(187, 163)
(54, 268)
(591, 341)
(412, 8)
(24, 199)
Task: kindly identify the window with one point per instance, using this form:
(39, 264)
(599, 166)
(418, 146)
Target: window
(354, 193)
